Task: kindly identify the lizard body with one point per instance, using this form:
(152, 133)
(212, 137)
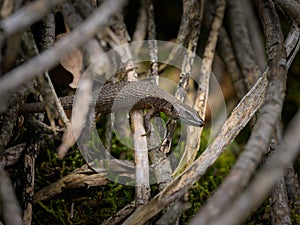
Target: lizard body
(132, 95)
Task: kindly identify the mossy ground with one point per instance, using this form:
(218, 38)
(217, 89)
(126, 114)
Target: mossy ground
(93, 205)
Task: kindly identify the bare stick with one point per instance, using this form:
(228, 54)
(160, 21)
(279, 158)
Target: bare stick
(195, 10)
(120, 215)
(194, 133)
(265, 179)
(225, 51)
(184, 31)
(29, 167)
(292, 7)
(260, 138)
(280, 210)
(152, 38)
(234, 124)
(118, 35)
(26, 16)
(65, 46)
(241, 42)
(80, 177)
(140, 29)
(9, 207)
(255, 35)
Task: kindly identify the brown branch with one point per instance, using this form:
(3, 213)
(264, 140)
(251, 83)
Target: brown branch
(118, 35)
(255, 35)
(241, 42)
(226, 52)
(265, 179)
(196, 15)
(195, 10)
(151, 27)
(194, 133)
(292, 7)
(293, 190)
(9, 207)
(65, 46)
(185, 29)
(234, 124)
(81, 177)
(121, 215)
(258, 143)
(12, 155)
(280, 210)
(279, 202)
(29, 168)
(140, 28)
(26, 16)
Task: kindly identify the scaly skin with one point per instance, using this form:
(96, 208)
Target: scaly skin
(132, 95)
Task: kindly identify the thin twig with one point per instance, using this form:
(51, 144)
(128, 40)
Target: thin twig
(194, 133)
(152, 38)
(241, 42)
(80, 177)
(140, 29)
(255, 36)
(225, 51)
(26, 16)
(65, 46)
(195, 14)
(29, 167)
(184, 31)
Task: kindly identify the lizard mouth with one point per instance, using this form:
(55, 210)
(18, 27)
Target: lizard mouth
(197, 122)
(188, 115)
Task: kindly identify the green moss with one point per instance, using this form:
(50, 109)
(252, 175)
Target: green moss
(204, 188)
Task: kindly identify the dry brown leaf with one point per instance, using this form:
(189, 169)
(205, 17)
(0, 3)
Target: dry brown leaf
(72, 63)
(7, 8)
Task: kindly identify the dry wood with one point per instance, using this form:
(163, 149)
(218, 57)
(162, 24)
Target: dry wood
(9, 207)
(280, 211)
(151, 28)
(265, 179)
(119, 35)
(81, 177)
(194, 133)
(29, 167)
(12, 155)
(225, 51)
(26, 16)
(234, 124)
(293, 190)
(241, 42)
(292, 7)
(142, 185)
(140, 28)
(121, 215)
(255, 34)
(246, 186)
(195, 9)
(186, 28)
(51, 57)
(258, 143)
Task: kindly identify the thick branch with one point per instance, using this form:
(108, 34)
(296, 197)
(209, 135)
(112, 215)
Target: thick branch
(267, 177)
(235, 123)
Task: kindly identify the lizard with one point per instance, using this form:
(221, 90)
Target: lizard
(133, 95)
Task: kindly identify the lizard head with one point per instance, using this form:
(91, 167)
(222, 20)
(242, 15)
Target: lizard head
(188, 115)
